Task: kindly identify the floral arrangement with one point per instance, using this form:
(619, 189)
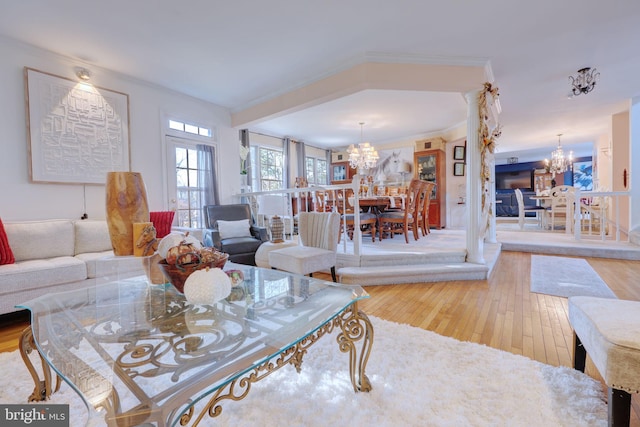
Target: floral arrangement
(244, 153)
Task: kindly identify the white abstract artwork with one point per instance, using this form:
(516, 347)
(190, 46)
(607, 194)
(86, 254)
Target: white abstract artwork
(77, 132)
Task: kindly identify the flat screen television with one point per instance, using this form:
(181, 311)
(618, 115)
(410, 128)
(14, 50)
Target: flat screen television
(514, 179)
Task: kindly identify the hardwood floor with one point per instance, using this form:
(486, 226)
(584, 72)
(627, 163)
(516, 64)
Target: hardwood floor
(499, 312)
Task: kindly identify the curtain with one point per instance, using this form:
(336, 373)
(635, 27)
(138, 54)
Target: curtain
(208, 176)
(244, 141)
(301, 154)
(328, 154)
(286, 147)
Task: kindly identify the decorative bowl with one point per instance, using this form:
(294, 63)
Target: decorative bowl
(177, 273)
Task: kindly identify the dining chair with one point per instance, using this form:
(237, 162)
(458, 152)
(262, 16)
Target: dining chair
(593, 215)
(561, 209)
(407, 219)
(318, 245)
(423, 217)
(368, 220)
(523, 209)
(321, 200)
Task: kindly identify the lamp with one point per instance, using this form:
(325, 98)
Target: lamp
(559, 163)
(584, 82)
(364, 156)
(83, 74)
(274, 206)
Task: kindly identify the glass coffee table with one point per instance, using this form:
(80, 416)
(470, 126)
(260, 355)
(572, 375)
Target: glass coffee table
(145, 355)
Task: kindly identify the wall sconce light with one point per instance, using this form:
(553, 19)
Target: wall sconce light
(83, 74)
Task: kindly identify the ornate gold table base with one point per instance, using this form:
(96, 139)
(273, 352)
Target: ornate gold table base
(42, 389)
(354, 326)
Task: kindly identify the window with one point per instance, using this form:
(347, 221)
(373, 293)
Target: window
(316, 171)
(189, 192)
(190, 128)
(193, 184)
(269, 167)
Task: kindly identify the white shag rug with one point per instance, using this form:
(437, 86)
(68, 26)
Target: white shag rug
(419, 378)
(566, 277)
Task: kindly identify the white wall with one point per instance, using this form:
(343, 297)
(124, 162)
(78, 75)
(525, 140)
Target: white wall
(456, 188)
(23, 200)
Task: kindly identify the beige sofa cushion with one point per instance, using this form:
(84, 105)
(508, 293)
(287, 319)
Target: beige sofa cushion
(105, 264)
(40, 273)
(41, 239)
(91, 236)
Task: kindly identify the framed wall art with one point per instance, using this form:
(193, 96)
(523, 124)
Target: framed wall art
(458, 152)
(76, 132)
(583, 175)
(458, 169)
(394, 165)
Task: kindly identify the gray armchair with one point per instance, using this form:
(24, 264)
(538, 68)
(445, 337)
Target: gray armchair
(230, 236)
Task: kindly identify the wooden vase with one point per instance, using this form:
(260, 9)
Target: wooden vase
(126, 204)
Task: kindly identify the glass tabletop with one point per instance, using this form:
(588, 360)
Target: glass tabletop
(151, 355)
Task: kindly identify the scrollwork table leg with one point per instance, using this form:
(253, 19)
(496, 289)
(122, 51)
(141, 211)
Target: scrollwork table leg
(356, 326)
(42, 389)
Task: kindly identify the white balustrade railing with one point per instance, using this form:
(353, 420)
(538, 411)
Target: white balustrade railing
(305, 199)
(604, 208)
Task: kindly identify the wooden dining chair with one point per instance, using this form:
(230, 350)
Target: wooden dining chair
(396, 222)
(368, 220)
(423, 216)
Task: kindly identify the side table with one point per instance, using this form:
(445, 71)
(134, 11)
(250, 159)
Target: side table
(262, 254)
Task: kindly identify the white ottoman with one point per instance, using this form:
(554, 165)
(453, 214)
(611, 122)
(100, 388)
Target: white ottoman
(607, 330)
(262, 254)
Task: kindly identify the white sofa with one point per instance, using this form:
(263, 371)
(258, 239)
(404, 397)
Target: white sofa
(59, 255)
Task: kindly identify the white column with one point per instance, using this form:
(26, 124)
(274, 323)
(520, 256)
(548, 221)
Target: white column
(475, 244)
(491, 234)
(634, 166)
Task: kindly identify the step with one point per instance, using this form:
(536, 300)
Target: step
(402, 258)
(423, 273)
(409, 258)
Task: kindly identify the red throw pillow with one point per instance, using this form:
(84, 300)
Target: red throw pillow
(6, 254)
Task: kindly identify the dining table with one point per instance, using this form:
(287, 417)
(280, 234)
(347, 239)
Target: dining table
(378, 204)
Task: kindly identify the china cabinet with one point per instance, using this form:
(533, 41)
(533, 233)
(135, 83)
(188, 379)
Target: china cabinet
(430, 166)
(341, 172)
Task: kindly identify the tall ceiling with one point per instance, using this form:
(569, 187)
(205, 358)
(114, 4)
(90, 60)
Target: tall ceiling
(239, 54)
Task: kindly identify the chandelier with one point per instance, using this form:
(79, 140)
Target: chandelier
(559, 163)
(584, 82)
(364, 156)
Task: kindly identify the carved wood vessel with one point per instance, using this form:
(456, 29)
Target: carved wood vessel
(126, 203)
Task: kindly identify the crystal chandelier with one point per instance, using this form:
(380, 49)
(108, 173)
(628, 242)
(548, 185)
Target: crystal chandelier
(584, 82)
(364, 156)
(559, 163)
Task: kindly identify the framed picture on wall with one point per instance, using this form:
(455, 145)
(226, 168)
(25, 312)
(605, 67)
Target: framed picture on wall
(583, 175)
(458, 152)
(458, 169)
(76, 132)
